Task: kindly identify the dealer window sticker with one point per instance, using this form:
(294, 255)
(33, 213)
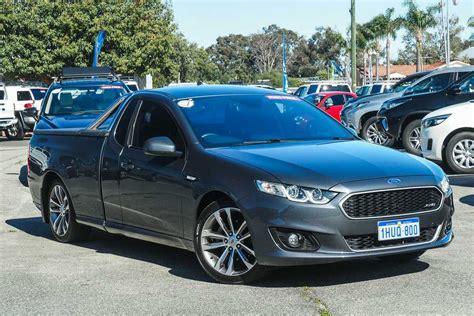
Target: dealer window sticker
(282, 97)
(188, 103)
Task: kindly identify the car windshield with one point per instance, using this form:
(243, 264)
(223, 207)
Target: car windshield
(82, 100)
(403, 84)
(339, 87)
(253, 119)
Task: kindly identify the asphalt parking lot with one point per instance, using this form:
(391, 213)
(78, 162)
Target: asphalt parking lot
(114, 274)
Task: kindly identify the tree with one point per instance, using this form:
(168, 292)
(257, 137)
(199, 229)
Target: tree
(266, 47)
(388, 28)
(232, 55)
(417, 21)
(312, 56)
(39, 38)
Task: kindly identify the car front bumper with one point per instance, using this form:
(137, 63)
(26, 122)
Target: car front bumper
(432, 143)
(332, 228)
(6, 123)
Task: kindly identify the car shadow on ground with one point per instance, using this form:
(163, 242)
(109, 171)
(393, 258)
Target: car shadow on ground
(185, 265)
(465, 180)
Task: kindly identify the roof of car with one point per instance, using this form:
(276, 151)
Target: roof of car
(87, 82)
(324, 93)
(182, 92)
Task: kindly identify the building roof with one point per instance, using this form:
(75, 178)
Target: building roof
(410, 69)
(467, 53)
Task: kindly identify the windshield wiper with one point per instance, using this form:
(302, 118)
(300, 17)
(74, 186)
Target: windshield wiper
(86, 112)
(266, 141)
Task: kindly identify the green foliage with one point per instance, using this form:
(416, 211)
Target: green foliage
(276, 79)
(38, 38)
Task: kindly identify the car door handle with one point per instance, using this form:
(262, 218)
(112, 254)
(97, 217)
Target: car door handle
(127, 166)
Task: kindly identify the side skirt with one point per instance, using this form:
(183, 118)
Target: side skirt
(137, 233)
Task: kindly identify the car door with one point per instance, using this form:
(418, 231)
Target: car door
(150, 186)
(333, 106)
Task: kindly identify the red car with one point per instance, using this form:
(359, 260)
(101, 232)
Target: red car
(330, 102)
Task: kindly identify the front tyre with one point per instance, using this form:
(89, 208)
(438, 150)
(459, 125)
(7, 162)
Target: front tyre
(459, 153)
(15, 132)
(411, 138)
(62, 219)
(372, 134)
(223, 244)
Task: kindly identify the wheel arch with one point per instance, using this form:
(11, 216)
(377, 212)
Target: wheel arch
(410, 118)
(450, 136)
(366, 116)
(210, 197)
(48, 178)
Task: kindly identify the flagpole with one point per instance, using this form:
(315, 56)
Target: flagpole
(285, 75)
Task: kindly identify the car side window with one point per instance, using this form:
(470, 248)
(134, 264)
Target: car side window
(312, 88)
(336, 99)
(23, 96)
(433, 84)
(124, 123)
(154, 120)
(467, 86)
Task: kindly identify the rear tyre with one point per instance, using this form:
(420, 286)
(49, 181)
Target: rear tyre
(411, 138)
(403, 257)
(223, 245)
(374, 135)
(459, 153)
(15, 132)
(62, 219)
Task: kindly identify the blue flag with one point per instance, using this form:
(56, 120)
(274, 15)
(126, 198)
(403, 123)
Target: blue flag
(285, 75)
(99, 42)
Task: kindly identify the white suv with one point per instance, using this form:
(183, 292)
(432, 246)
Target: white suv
(322, 86)
(14, 121)
(448, 135)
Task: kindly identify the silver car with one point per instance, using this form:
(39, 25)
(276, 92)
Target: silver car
(361, 113)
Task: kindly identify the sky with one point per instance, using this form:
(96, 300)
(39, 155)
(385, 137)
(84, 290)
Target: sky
(202, 21)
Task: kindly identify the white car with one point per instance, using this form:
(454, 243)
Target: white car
(448, 135)
(322, 86)
(14, 120)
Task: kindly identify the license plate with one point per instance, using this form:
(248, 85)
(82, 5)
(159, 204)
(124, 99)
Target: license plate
(398, 228)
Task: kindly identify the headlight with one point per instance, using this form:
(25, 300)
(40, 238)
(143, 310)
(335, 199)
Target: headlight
(445, 186)
(435, 120)
(296, 193)
(392, 104)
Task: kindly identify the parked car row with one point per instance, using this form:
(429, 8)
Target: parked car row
(387, 118)
(375, 88)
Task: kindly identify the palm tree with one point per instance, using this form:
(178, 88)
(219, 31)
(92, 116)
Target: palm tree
(376, 27)
(390, 26)
(417, 21)
(363, 38)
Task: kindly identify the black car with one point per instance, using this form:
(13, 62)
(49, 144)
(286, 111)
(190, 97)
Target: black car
(401, 117)
(79, 96)
(245, 177)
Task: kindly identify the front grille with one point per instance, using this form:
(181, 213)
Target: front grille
(389, 203)
(369, 242)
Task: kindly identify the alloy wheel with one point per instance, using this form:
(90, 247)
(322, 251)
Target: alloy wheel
(13, 130)
(415, 138)
(375, 136)
(463, 153)
(59, 210)
(226, 244)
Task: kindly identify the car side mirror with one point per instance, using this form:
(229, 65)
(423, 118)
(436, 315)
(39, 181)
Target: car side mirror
(408, 91)
(454, 89)
(161, 146)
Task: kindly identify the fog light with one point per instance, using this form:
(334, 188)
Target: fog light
(294, 240)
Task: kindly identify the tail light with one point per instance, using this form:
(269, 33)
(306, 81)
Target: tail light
(28, 105)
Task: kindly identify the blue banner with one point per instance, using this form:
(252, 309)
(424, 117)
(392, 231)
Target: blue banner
(285, 75)
(99, 42)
